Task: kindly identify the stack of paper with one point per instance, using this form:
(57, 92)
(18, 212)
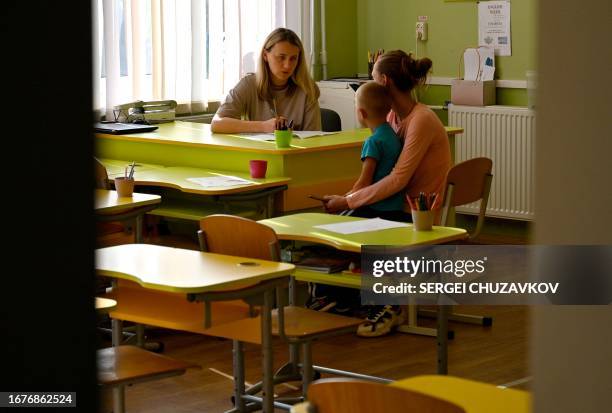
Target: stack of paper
(479, 63)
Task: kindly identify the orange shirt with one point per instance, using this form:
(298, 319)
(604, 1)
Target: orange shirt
(422, 165)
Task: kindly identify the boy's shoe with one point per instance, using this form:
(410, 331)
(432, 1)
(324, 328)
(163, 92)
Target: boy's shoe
(380, 321)
(320, 304)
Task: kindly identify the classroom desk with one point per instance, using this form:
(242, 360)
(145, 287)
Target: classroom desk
(472, 396)
(108, 202)
(162, 270)
(111, 207)
(301, 227)
(176, 177)
(320, 165)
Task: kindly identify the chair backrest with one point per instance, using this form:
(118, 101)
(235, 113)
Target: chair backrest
(355, 396)
(232, 235)
(330, 121)
(101, 176)
(467, 182)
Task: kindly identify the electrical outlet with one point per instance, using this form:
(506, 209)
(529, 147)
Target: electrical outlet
(421, 30)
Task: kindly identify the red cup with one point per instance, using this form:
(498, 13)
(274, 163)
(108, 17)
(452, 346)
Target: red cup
(258, 168)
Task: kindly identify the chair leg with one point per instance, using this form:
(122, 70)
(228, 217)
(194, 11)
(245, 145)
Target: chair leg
(238, 356)
(267, 353)
(119, 399)
(307, 370)
(117, 334)
(140, 335)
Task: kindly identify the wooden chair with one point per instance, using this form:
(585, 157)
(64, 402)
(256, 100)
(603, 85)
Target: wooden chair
(231, 235)
(467, 182)
(354, 396)
(126, 365)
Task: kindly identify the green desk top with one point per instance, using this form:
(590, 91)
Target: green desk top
(183, 271)
(199, 135)
(300, 227)
(108, 202)
(176, 177)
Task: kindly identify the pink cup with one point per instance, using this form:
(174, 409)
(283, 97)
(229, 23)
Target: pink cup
(258, 168)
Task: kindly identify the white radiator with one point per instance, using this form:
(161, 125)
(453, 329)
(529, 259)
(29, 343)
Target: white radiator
(506, 134)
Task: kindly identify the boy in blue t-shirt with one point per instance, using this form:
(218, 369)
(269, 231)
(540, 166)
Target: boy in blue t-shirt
(379, 153)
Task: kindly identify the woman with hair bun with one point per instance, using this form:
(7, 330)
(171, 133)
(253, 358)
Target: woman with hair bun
(421, 167)
(425, 156)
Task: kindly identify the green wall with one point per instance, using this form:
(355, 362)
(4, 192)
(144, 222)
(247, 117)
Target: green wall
(341, 37)
(452, 26)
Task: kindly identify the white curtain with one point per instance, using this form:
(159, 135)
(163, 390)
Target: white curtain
(191, 51)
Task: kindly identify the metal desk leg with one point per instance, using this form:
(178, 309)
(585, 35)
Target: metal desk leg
(267, 355)
(442, 338)
(238, 375)
(119, 391)
(139, 221)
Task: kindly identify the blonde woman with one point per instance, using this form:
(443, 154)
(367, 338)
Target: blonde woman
(280, 93)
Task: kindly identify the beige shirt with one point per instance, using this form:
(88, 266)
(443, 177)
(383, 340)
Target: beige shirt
(242, 102)
(423, 163)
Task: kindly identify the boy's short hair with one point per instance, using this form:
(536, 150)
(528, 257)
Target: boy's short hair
(374, 99)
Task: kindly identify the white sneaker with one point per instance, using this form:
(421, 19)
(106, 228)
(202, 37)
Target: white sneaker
(380, 321)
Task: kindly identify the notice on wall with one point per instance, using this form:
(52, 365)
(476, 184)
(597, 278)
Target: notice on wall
(494, 26)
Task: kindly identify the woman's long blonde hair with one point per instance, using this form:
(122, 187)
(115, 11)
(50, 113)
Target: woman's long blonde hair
(299, 79)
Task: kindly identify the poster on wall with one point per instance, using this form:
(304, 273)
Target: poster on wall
(494, 26)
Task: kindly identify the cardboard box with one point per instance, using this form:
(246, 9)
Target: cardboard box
(472, 92)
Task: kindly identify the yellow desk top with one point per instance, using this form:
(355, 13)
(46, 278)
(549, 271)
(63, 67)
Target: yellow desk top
(176, 177)
(472, 396)
(116, 167)
(183, 271)
(300, 227)
(199, 135)
(105, 305)
(108, 202)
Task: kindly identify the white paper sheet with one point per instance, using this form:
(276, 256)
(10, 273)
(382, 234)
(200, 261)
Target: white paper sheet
(494, 26)
(303, 134)
(471, 64)
(487, 62)
(219, 181)
(366, 225)
(257, 136)
(479, 64)
(296, 134)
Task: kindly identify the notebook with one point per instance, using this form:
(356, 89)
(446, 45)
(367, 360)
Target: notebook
(122, 128)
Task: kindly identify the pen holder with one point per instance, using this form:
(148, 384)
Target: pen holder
(370, 68)
(422, 220)
(283, 138)
(124, 186)
(258, 168)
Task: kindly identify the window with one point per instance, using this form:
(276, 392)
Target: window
(192, 51)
